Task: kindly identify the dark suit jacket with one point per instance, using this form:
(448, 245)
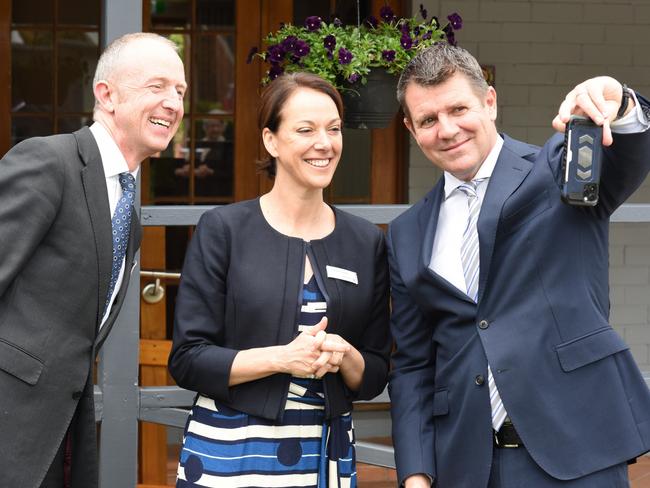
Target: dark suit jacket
(241, 288)
(55, 229)
(567, 379)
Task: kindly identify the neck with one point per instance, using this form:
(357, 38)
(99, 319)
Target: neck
(303, 215)
(132, 160)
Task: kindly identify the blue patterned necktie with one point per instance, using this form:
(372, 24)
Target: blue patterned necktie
(121, 223)
(469, 256)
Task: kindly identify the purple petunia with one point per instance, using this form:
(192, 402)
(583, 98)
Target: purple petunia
(275, 53)
(406, 42)
(388, 55)
(423, 12)
(386, 13)
(289, 43)
(354, 77)
(345, 56)
(301, 48)
(313, 23)
(371, 21)
(251, 53)
(427, 35)
(329, 42)
(449, 32)
(455, 20)
(275, 71)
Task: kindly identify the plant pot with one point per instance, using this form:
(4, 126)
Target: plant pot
(373, 105)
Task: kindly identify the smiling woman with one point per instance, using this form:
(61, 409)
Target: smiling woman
(276, 379)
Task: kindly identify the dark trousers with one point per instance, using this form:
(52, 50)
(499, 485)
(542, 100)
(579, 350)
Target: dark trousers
(514, 468)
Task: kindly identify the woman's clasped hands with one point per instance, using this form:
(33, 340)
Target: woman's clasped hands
(314, 352)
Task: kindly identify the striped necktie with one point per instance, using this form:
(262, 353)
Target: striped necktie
(469, 255)
(121, 224)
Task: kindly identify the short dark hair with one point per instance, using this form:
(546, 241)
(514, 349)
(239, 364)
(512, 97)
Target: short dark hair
(437, 64)
(275, 96)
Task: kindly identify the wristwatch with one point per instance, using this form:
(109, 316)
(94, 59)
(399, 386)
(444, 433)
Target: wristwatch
(625, 100)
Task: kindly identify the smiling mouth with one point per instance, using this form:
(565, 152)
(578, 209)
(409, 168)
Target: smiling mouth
(163, 123)
(318, 163)
(455, 146)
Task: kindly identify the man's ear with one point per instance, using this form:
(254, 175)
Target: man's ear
(268, 138)
(409, 125)
(104, 95)
(491, 102)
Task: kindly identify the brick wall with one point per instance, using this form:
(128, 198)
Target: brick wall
(540, 50)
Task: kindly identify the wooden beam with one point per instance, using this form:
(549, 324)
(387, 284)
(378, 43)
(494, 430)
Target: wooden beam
(247, 80)
(154, 353)
(5, 77)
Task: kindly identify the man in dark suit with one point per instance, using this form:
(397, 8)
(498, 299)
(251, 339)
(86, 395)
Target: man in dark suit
(66, 212)
(506, 372)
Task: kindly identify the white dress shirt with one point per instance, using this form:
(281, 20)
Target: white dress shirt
(445, 257)
(114, 164)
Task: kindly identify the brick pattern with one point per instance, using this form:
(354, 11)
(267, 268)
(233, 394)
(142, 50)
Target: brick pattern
(541, 49)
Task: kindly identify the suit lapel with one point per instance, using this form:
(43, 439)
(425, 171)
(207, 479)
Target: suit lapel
(428, 223)
(94, 184)
(510, 171)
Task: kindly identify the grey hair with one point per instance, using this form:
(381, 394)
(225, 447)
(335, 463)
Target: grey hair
(437, 64)
(109, 61)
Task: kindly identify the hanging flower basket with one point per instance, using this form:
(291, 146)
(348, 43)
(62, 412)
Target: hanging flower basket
(373, 105)
(350, 56)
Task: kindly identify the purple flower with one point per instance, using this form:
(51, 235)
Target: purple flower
(354, 77)
(329, 42)
(371, 21)
(313, 22)
(427, 35)
(388, 55)
(289, 43)
(301, 49)
(423, 12)
(416, 31)
(275, 71)
(406, 42)
(386, 13)
(251, 53)
(405, 28)
(345, 56)
(275, 53)
(329, 55)
(455, 20)
(449, 32)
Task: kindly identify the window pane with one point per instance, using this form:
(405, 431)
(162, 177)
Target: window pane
(31, 71)
(213, 174)
(351, 182)
(170, 170)
(25, 127)
(211, 14)
(72, 124)
(214, 73)
(32, 11)
(183, 43)
(79, 12)
(175, 14)
(78, 53)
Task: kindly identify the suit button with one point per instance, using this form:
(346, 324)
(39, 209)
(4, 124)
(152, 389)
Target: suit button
(479, 380)
(483, 324)
(77, 395)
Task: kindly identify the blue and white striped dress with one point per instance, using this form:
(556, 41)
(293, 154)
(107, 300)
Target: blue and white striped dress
(225, 448)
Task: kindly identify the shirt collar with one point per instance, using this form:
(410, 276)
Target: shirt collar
(112, 158)
(484, 172)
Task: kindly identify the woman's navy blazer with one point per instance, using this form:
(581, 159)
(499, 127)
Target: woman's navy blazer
(241, 288)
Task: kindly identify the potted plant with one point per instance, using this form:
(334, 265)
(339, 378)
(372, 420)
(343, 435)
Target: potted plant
(356, 58)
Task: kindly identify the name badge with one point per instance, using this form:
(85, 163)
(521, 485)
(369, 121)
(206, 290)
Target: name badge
(342, 274)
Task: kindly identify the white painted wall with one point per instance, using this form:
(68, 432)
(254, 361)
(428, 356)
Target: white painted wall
(540, 50)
